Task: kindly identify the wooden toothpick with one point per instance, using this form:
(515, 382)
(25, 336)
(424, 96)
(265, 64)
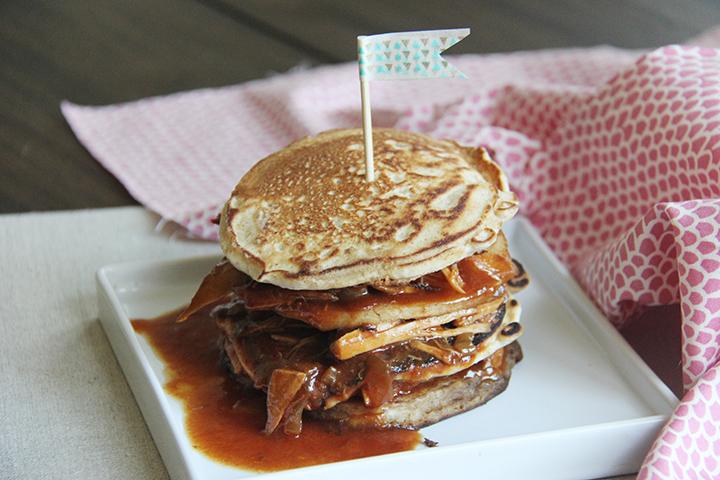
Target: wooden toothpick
(367, 130)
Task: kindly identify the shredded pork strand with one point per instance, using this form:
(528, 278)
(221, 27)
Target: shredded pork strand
(444, 353)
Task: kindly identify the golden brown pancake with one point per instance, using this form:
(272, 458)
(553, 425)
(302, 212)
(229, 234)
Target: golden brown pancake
(306, 218)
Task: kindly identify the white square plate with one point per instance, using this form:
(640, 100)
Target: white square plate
(581, 404)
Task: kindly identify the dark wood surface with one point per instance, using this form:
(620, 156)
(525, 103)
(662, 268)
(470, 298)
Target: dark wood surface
(99, 52)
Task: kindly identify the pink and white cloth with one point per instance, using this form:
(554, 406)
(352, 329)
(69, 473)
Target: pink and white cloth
(615, 155)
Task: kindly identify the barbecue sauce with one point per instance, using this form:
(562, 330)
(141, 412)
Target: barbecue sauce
(484, 276)
(224, 420)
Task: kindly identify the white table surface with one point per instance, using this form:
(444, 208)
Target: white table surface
(66, 410)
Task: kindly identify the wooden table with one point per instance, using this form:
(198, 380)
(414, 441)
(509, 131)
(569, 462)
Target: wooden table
(97, 52)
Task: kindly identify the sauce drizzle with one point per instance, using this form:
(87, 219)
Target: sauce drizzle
(224, 421)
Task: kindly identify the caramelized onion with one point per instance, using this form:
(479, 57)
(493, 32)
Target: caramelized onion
(452, 275)
(464, 343)
(284, 385)
(377, 386)
(214, 287)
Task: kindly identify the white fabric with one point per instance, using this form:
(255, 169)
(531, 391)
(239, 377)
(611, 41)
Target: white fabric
(66, 410)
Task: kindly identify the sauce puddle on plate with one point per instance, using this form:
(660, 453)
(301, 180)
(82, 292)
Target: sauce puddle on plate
(224, 421)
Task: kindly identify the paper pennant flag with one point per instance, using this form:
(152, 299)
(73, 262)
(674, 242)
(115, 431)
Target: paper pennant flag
(408, 55)
(401, 56)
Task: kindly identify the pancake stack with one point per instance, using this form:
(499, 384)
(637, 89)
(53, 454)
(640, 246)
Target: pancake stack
(368, 304)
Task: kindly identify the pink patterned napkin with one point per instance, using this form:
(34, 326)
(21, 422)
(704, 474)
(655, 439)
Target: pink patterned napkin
(615, 155)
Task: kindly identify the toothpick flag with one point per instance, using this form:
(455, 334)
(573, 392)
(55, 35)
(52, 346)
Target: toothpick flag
(402, 56)
(408, 55)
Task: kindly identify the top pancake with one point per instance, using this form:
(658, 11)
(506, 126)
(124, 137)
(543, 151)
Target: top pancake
(306, 218)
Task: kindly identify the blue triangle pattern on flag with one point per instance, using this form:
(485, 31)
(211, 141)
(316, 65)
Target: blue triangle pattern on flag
(404, 55)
